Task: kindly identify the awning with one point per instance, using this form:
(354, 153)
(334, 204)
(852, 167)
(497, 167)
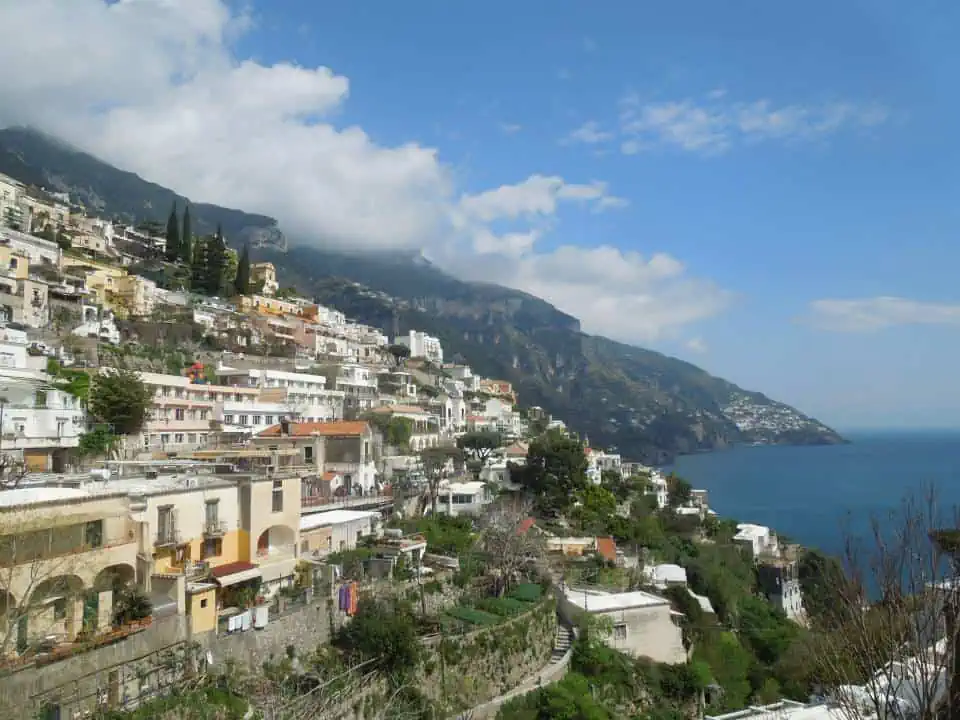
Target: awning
(235, 572)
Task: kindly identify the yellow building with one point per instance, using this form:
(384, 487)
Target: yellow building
(266, 305)
(133, 295)
(102, 279)
(23, 298)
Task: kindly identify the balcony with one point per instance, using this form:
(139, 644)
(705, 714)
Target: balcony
(169, 537)
(214, 528)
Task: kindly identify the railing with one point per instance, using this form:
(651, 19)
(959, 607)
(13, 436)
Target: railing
(277, 552)
(168, 538)
(310, 501)
(215, 528)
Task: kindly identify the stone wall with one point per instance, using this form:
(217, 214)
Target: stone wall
(136, 666)
(466, 670)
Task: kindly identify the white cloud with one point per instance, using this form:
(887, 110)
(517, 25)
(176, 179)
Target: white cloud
(696, 344)
(715, 125)
(880, 313)
(589, 133)
(155, 87)
(510, 128)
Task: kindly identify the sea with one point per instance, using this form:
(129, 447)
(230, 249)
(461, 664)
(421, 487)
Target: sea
(818, 496)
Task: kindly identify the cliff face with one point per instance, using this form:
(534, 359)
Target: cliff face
(648, 406)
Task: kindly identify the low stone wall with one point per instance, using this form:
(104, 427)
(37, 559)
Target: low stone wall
(466, 670)
(140, 664)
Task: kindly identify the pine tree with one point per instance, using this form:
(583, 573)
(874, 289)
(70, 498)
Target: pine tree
(243, 271)
(216, 264)
(198, 264)
(186, 238)
(173, 235)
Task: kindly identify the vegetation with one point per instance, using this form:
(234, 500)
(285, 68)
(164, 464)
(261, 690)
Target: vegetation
(120, 400)
(555, 473)
(243, 271)
(385, 632)
(478, 446)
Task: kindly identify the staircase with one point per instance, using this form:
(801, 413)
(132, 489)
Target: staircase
(561, 643)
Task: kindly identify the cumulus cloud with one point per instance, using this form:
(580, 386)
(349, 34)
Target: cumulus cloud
(880, 313)
(715, 125)
(696, 344)
(156, 87)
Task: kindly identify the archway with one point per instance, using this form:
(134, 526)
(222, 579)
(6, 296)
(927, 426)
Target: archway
(57, 608)
(115, 577)
(276, 540)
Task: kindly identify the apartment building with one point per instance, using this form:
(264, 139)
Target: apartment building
(303, 396)
(421, 345)
(358, 383)
(132, 295)
(347, 449)
(38, 423)
(10, 212)
(184, 414)
(24, 297)
(40, 251)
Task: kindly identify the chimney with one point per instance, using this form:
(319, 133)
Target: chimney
(285, 426)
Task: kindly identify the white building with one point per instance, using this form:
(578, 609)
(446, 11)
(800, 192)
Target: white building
(358, 383)
(667, 575)
(10, 212)
(336, 530)
(466, 498)
(598, 462)
(38, 250)
(99, 324)
(38, 423)
(658, 488)
(305, 397)
(644, 625)
(758, 539)
(421, 345)
(465, 375)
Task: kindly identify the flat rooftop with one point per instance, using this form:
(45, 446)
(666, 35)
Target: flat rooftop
(335, 517)
(783, 710)
(598, 601)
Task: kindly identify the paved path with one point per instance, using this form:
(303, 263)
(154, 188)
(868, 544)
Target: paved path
(555, 669)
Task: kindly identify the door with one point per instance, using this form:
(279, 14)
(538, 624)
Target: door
(263, 542)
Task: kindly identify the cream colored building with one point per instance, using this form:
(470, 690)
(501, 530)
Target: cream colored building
(134, 296)
(24, 298)
(267, 305)
(184, 414)
(10, 211)
(265, 273)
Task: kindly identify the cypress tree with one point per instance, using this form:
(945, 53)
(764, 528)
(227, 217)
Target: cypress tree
(216, 261)
(173, 235)
(242, 282)
(186, 238)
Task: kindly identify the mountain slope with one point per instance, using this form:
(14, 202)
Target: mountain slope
(647, 405)
(37, 159)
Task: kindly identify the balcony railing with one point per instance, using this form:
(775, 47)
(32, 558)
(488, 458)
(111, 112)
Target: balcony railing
(215, 528)
(169, 537)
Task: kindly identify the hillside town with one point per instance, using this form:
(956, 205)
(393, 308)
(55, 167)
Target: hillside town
(213, 476)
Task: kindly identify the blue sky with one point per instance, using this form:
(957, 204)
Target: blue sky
(797, 160)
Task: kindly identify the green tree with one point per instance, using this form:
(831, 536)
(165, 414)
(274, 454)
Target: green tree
(678, 491)
(210, 259)
(556, 471)
(173, 235)
(821, 581)
(120, 400)
(400, 354)
(242, 282)
(186, 238)
(435, 462)
(98, 442)
(384, 630)
(597, 507)
(478, 446)
(730, 663)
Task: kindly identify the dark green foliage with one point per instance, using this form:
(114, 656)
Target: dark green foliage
(120, 400)
(527, 592)
(555, 473)
(173, 235)
(679, 491)
(444, 533)
(97, 442)
(386, 630)
(209, 269)
(821, 579)
(242, 282)
(186, 237)
(130, 604)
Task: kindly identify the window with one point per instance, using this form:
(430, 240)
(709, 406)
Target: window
(308, 454)
(462, 499)
(164, 438)
(60, 609)
(228, 419)
(278, 496)
(41, 398)
(203, 438)
(146, 440)
(178, 438)
(178, 414)
(620, 631)
(203, 414)
(93, 534)
(212, 548)
(192, 438)
(13, 263)
(268, 419)
(203, 602)
(256, 419)
(242, 420)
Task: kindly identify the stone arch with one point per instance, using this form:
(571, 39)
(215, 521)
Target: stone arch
(115, 577)
(276, 539)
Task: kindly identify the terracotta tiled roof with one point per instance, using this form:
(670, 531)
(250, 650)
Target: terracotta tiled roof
(526, 525)
(516, 449)
(607, 548)
(339, 428)
(329, 475)
(231, 568)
